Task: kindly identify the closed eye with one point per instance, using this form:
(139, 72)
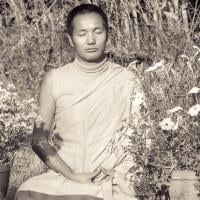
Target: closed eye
(99, 31)
(82, 33)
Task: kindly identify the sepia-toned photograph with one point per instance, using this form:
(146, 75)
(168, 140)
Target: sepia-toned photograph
(99, 100)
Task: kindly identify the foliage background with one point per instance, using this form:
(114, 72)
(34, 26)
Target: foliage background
(33, 40)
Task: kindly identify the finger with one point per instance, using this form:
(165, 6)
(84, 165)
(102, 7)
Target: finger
(100, 177)
(95, 173)
(108, 172)
(98, 171)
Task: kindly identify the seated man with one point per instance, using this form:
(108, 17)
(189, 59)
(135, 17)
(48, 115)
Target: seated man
(89, 99)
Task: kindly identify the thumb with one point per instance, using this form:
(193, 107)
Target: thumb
(108, 172)
(95, 173)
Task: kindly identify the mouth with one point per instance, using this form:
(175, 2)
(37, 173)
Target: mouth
(91, 49)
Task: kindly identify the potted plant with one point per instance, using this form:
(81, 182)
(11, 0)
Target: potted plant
(16, 119)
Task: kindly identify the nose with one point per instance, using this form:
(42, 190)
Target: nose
(91, 39)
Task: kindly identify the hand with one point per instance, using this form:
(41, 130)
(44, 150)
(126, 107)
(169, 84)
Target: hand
(105, 173)
(86, 177)
(108, 172)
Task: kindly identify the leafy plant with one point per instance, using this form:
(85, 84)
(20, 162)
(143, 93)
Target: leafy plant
(16, 119)
(170, 139)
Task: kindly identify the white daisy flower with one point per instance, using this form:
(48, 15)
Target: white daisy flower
(167, 124)
(194, 110)
(194, 90)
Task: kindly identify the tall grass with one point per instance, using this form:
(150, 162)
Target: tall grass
(33, 38)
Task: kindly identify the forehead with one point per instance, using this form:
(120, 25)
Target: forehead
(87, 21)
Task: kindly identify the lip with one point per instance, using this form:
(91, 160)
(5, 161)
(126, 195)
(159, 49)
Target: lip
(91, 49)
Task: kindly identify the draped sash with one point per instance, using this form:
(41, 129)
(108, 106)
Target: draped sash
(87, 118)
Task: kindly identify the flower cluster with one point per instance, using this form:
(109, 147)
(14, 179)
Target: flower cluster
(167, 124)
(170, 139)
(16, 119)
(175, 129)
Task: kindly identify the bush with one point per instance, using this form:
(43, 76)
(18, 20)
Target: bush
(16, 119)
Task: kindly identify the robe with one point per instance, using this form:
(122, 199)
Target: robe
(90, 109)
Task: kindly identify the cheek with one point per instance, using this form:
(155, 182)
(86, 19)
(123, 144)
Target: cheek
(103, 40)
(78, 41)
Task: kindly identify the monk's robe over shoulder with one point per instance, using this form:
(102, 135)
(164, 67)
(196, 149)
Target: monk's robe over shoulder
(90, 105)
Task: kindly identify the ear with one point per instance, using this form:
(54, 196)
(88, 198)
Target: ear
(70, 40)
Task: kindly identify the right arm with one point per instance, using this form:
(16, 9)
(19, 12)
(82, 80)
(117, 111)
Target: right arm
(41, 131)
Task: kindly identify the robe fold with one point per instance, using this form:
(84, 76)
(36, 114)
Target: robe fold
(90, 108)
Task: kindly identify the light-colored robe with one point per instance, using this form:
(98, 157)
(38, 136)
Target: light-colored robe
(90, 108)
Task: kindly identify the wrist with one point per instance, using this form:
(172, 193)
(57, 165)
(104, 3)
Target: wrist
(70, 175)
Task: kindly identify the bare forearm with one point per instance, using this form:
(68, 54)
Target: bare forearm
(47, 153)
(57, 164)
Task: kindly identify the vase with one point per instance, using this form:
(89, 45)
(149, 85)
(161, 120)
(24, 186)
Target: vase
(182, 185)
(4, 180)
